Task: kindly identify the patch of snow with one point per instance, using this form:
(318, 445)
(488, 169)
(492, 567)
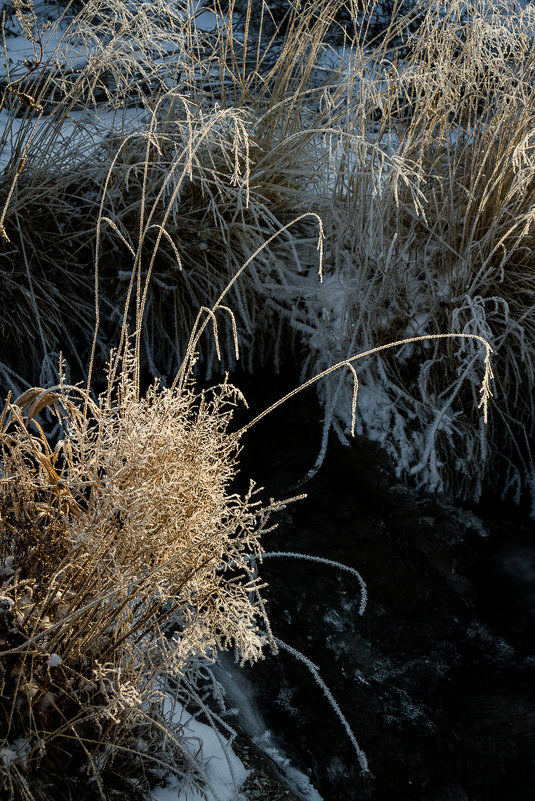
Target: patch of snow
(15, 752)
(6, 566)
(80, 134)
(6, 604)
(8, 755)
(224, 771)
(206, 21)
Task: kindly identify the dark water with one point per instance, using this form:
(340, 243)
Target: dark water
(436, 679)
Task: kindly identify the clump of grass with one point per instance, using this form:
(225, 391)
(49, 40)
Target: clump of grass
(211, 194)
(449, 249)
(125, 556)
(138, 116)
(90, 66)
(478, 111)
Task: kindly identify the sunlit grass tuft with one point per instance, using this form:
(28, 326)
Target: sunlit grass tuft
(125, 558)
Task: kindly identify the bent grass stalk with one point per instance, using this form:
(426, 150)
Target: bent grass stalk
(484, 389)
(313, 669)
(322, 561)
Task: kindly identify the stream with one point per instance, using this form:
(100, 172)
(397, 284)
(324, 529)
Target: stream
(436, 678)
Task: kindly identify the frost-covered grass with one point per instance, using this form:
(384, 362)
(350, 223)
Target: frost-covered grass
(150, 135)
(430, 229)
(151, 153)
(125, 562)
(190, 136)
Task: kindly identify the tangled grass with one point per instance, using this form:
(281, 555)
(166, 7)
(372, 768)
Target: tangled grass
(125, 558)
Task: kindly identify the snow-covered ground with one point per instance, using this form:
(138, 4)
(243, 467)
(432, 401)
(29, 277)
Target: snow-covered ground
(224, 772)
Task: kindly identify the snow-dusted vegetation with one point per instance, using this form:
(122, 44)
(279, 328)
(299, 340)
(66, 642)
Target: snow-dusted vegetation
(190, 137)
(306, 184)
